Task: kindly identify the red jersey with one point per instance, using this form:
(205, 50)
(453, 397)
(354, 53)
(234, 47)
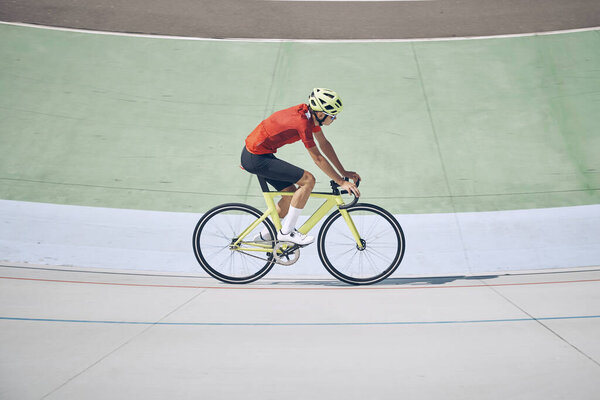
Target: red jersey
(283, 127)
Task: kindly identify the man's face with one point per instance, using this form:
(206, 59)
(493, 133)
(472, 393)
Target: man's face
(327, 120)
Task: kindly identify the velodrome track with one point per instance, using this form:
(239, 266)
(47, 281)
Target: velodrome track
(114, 144)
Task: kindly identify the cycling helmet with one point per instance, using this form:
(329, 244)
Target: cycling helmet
(325, 100)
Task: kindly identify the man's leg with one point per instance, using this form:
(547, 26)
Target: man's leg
(299, 199)
(283, 207)
(307, 184)
(284, 204)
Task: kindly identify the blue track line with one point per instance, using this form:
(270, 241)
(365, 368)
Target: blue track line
(299, 323)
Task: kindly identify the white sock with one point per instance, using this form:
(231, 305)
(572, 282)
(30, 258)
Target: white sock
(289, 222)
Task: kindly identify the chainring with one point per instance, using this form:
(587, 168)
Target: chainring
(286, 253)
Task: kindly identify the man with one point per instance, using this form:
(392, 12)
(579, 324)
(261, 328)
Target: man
(301, 122)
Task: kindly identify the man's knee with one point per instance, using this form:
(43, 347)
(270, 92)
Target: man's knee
(307, 179)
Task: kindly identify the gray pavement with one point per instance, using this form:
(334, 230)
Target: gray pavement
(67, 334)
(309, 20)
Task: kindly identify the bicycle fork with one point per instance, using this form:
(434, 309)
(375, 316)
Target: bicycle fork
(360, 243)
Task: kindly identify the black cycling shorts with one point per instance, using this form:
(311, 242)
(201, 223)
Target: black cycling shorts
(278, 173)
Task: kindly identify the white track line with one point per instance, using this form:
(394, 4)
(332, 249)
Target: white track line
(137, 35)
(349, 1)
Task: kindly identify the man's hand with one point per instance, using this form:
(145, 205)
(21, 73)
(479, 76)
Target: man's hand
(352, 175)
(350, 187)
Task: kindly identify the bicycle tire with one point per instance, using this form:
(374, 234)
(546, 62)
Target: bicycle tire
(210, 234)
(348, 262)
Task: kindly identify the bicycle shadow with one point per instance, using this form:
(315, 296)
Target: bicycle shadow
(413, 281)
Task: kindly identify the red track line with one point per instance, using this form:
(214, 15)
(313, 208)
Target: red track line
(235, 287)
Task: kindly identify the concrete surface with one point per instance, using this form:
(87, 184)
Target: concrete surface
(89, 334)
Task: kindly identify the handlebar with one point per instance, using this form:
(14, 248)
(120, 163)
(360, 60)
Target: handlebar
(334, 188)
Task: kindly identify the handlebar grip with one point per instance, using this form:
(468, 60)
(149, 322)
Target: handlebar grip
(345, 191)
(353, 202)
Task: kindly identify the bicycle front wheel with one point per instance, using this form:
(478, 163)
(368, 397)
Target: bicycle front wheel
(381, 251)
(213, 240)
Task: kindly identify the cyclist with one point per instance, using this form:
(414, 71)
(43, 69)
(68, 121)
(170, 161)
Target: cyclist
(301, 122)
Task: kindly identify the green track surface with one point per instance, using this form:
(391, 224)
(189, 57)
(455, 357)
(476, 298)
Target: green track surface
(444, 126)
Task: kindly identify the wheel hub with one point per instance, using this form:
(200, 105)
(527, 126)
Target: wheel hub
(363, 245)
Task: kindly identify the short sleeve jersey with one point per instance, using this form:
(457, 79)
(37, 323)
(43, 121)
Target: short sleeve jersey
(281, 128)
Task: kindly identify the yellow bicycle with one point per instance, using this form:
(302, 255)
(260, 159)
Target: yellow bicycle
(358, 243)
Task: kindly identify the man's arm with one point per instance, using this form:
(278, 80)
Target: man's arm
(324, 165)
(328, 150)
(330, 153)
(330, 171)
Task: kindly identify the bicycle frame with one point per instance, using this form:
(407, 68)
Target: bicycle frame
(331, 200)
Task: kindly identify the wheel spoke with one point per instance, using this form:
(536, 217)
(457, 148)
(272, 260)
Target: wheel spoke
(372, 262)
(221, 248)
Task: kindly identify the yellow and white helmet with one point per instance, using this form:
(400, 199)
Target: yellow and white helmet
(325, 100)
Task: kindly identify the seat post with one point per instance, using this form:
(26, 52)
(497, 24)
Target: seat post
(263, 184)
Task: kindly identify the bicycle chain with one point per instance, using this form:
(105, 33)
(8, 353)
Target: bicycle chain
(275, 258)
(252, 255)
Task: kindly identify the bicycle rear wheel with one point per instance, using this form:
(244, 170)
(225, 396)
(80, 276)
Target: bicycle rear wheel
(381, 253)
(215, 234)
